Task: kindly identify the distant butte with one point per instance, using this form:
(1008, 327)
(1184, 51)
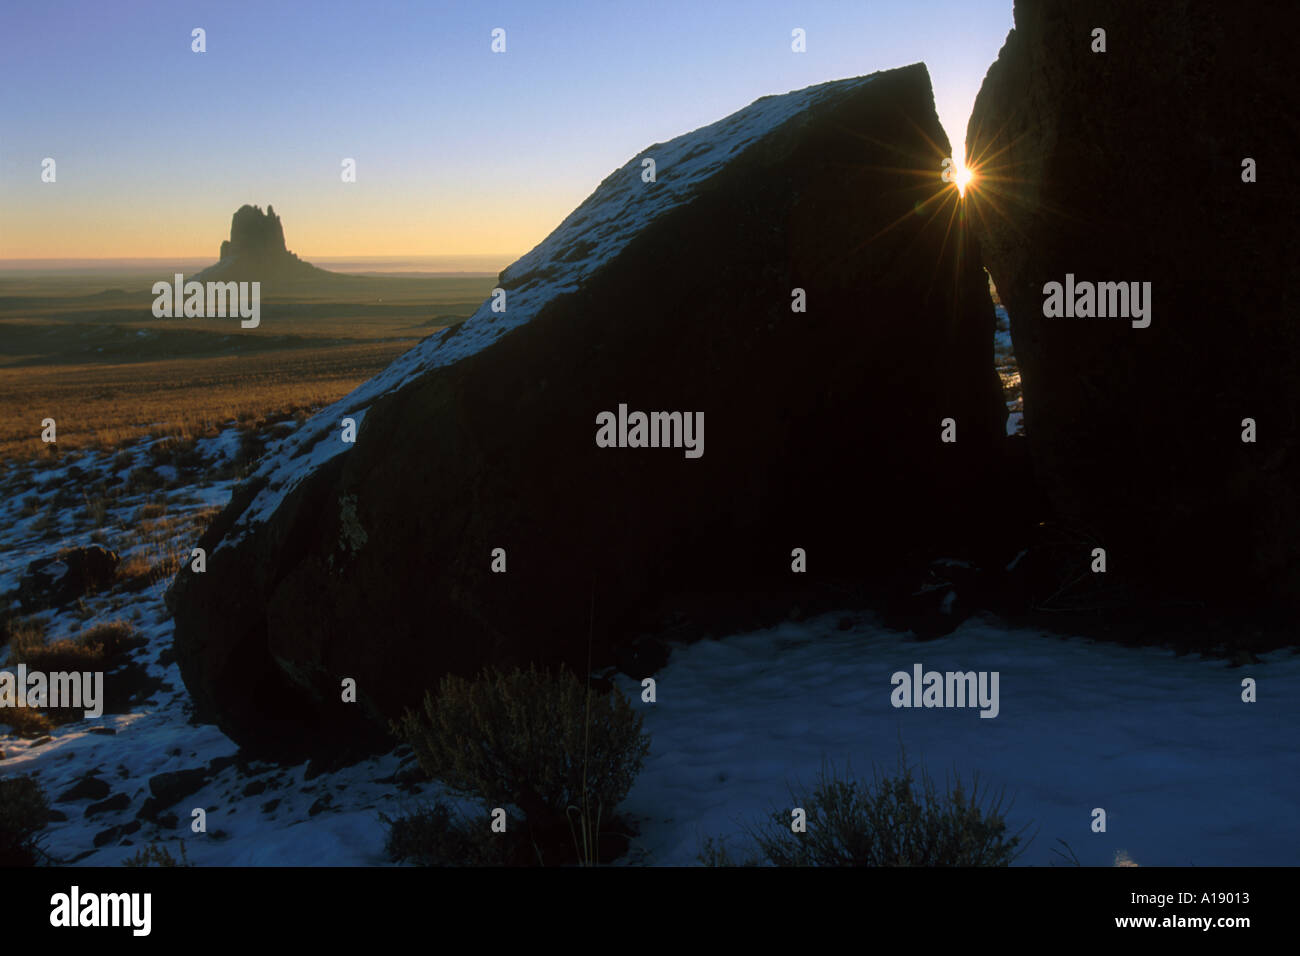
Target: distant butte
(256, 251)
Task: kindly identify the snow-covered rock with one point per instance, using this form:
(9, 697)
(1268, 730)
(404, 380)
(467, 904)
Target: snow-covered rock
(770, 279)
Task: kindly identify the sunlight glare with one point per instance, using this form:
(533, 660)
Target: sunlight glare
(963, 178)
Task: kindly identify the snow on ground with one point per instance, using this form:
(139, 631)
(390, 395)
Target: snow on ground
(1187, 773)
(260, 814)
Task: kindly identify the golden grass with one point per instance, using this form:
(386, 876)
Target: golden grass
(96, 649)
(78, 349)
(104, 406)
(26, 721)
(88, 651)
(160, 556)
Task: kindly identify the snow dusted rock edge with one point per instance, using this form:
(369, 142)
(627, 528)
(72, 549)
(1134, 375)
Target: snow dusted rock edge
(371, 561)
(593, 234)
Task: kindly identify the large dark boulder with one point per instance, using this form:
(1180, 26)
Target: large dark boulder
(372, 561)
(1127, 166)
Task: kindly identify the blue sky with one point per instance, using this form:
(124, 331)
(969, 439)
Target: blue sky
(458, 150)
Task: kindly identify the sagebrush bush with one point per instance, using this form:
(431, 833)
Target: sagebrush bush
(887, 822)
(23, 815)
(539, 741)
(29, 722)
(436, 836)
(155, 854)
(93, 649)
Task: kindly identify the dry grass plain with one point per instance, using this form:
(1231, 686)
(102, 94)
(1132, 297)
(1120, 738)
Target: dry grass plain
(86, 350)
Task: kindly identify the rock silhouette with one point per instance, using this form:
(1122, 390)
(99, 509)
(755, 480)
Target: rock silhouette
(373, 561)
(256, 251)
(1127, 166)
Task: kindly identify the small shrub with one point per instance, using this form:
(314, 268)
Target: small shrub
(27, 722)
(133, 573)
(99, 648)
(68, 654)
(156, 855)
(885, 823)
(143, 480)
(23, 815)
(156, 551)
(715, 853)
(541, 742)
(26, 636)
(96, 510)
(150, 510)
(1067, 858)
(435, 836)
(112, 638)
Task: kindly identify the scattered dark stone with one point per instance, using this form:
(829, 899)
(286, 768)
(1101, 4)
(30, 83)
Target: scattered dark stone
(218, 764)
(168, 788)
(104, 837)
(88, 787)
(61, 579)
(174, 785)
(103, 731)
(411, 774)
(270, 805)
(168, 821)
(41, 741)
(321, 804)
(118, 801)
(57, 816)
(254, 788)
